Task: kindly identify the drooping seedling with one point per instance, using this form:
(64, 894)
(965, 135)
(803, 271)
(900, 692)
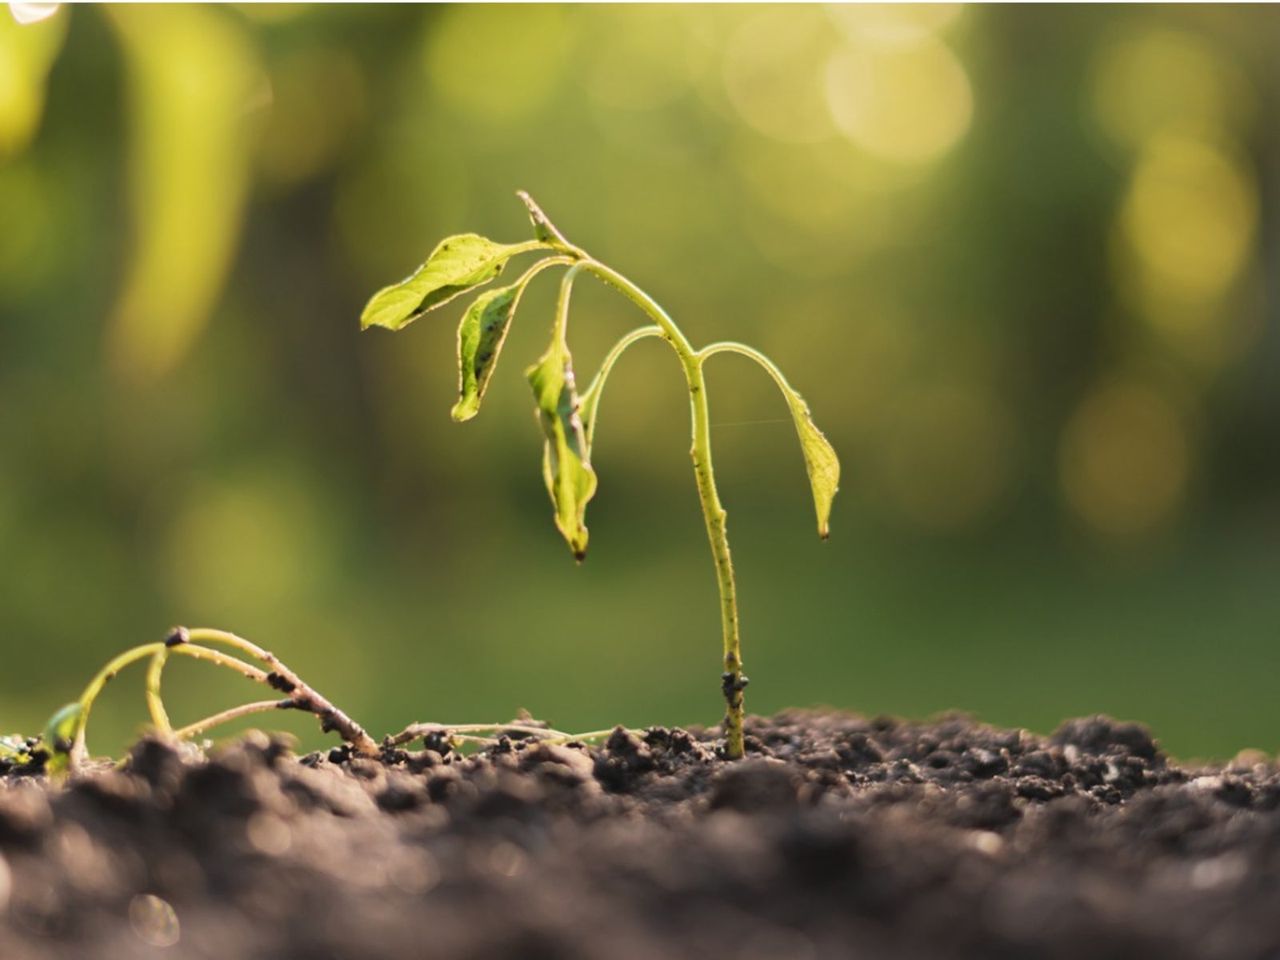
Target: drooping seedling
(61, 747)
(466, 262)
(63, 739)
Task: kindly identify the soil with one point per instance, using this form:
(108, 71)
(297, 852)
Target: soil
(838, 837)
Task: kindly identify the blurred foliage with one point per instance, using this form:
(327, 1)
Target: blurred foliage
(1021, 262)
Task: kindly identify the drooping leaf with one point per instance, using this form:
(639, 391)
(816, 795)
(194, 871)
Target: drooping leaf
(60, 735)
(458, 264)
(820, 460)
(566, 459)
(480, 337)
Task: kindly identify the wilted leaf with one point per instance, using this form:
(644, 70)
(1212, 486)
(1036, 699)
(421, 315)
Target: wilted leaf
(458, 264)
(819, 460)
(566, 459)
(480, 337)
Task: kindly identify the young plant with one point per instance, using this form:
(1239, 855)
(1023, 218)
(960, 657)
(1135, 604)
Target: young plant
(61, 747)
(462, 263)
(63, 740)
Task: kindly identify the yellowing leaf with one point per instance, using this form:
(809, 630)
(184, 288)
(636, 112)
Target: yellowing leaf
(566, 459)
(458, 264)
(820, 461)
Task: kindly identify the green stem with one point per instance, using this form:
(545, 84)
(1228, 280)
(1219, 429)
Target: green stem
(562, 260)
(561, 328)
(591, 397)
(733, 682)
(118, 663)
(730, 346)
(226, 716)
(155, 703)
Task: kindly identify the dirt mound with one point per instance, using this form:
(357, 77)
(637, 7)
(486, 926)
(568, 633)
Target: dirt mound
(837, 837)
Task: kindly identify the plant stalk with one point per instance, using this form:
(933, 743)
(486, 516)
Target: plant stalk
(304, 696)
(118, 663)
(732, 681)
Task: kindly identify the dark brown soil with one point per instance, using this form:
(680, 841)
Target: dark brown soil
(838, 837)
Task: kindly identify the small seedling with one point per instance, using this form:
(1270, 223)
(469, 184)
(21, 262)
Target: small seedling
(63, 739)
(61, 747)
(462, 263)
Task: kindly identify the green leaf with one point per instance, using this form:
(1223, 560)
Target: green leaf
(480, 337)
(458, 264)
(60, 735)
(566, 459)
(820, 460)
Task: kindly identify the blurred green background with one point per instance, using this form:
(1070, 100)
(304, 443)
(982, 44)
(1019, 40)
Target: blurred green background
(1021, 262)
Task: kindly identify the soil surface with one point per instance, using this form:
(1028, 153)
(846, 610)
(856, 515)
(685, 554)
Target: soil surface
(838, 837)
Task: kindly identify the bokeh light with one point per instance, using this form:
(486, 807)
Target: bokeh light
(905, 102)
(27, 52)
(1167, 82)
(1189, 215)
(1126, 459)
(773, 75)
(948, 455)
(498, 63)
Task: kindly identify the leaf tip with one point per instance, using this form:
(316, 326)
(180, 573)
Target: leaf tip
(464, 410)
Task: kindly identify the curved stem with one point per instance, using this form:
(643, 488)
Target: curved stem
(155, 704)
(303, 695)
(119, 662)
(730, 346)
(562, 260)
(591, 396)
(646, 303)
(733, 683)
(561, 328)
(226, 716)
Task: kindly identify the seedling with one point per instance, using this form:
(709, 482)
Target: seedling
(465, 262)
(63, 740)
(62, 746)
